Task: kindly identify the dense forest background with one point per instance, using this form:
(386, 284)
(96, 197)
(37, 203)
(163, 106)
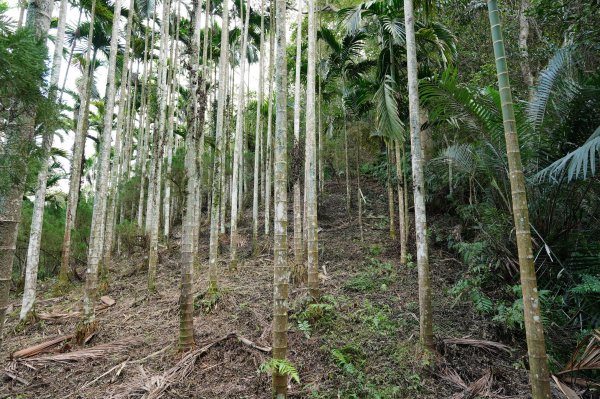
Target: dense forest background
(227, 134)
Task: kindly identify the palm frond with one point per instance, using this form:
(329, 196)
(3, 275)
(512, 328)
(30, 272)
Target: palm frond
(555, 82)
(577, 163)
(388, 119)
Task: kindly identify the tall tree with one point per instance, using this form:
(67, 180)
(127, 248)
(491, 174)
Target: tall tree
(534, 328)
(298, 246)
(259, 130)
(35, 237)
(238, 143)
(19, 138)
(281, 273)
(78, 151)
(425, 319)
(218, 171)
(160, 133)
(310, 185)
(88, 319)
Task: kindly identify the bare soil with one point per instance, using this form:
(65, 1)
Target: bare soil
(363, 345)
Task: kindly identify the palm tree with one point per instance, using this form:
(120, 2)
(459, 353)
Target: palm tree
(154, 200)
(96, 41)
(425, 319)
(218, 173)
(237, 150)
(88, 320)
(281, 274)
(534, 328)
(35, 239)
(298, 246)
(312, 243)
(14, 158)
(259, 130)
(186, 301)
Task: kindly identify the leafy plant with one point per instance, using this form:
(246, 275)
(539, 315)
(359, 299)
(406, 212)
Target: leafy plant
(281, 367)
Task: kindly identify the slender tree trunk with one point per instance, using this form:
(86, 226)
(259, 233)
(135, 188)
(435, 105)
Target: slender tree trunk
(310, 186)
(35, 238)
(347, 163)
(78, 151)
(281, 273)
(296, 155)
(173, 96)
(159, 148)
(269, 147)
(88, 320)
(238, 149)
(390, 190)
(426, 324)
(19, 138)
(219, 139)
(119, 150)
(401, 203)
(524, 48)
(534, 328)
(259, 131)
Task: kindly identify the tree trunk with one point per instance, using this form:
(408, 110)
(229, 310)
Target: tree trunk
(35, 237)
(19, 138)
(238, 149)
(159, 148)
(269, 142)
(296, 161)
(259, 131)
(312, 243)
(426, 324)
(401, 203)
(524, 48)
(78, 151)
(219, 139)
(534, 328)
(390, 190)
(88, 320)
(281, 273)
(119, 147)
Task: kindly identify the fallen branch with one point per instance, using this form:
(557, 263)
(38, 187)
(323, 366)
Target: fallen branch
(39, 348)
(154, 386)
(478, 343)
(95, 352)
(107, 302)
(568, 392)
(480, 388)
(585, 359)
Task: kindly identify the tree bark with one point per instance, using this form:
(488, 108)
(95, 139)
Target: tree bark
(259, 131)
(88, 319)
(281, 273)
(534, 328)
(425, 320)
(219, 139)
(312, 243)
(298, 246)
(19, 138)
(238, 149)
(78, 151)
(35, 237)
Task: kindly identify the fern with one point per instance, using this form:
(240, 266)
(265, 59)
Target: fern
(342, 361)
(281, 367)
(304, 326)
(589, 285)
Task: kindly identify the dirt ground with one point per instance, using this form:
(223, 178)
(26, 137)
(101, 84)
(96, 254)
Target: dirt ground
(361, 343)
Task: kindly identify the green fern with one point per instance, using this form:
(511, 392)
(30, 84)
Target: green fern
(281, 367)
(589, 285)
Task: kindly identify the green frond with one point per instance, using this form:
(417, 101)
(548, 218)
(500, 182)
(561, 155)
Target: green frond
(388, 120)
(577, 163)
(555, 84)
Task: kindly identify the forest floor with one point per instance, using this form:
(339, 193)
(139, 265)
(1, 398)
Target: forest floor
(361, 342)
